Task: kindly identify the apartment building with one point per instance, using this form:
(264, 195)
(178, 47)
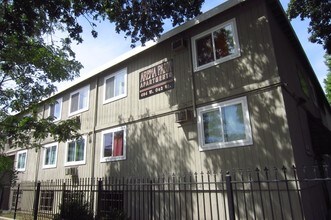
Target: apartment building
(231, 88)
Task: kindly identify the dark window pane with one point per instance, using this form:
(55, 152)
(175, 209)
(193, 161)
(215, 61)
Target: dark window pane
(46, 200)
(71, 152)
(107, 150)
(205, 53)
(212, 127)
(80, 150)
(52, 156)
(224, 44)
(52, 110)
(74, 102)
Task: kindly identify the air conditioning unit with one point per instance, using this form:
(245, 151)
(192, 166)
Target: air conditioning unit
(178, 44)
(73, 171)
(183, 116)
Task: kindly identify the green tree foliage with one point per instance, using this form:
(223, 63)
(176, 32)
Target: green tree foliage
(327, 81)
(32, 58)
(7, 174)
(319, 13)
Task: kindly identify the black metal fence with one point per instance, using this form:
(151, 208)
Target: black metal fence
(239, 194)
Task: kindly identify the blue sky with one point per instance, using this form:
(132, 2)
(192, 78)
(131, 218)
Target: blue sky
(93, 53)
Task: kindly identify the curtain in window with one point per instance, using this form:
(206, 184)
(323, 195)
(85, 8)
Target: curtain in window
(47, 156)
(118, 143)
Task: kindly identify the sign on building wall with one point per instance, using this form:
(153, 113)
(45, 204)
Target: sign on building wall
(155, 80)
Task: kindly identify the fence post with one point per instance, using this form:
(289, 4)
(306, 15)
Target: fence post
(98, 211)
(63, 200)
(16, 202)
(229, 192)
(151, 198)
(36, 202)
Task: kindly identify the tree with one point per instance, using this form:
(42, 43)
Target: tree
(319, 13)
(327, 81)
(7, 174)
(32, 57)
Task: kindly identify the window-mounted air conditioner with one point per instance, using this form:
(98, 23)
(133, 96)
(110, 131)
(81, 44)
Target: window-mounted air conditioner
(73, 171)
(183, 116)
(178, 44)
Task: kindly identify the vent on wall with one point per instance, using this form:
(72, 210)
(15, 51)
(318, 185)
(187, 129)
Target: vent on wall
(73, 171)
(183, 116)
(178, 44)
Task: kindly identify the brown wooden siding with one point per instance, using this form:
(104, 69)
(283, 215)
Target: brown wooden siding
(290, 65)
(156, 144)
(159, 145)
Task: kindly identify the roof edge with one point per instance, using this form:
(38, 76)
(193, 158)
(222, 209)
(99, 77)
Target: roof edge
(181, 28)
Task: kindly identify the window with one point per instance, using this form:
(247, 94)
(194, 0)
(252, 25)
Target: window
(111, 200)
(113, 145)
(215, 46)
(76, 152)
(74, 195)
(303, 83)
(17, 199)
(50, 155)
(21, 160)
(79, 100)
(224, 124)
(55, 109)
(46, 200)
(115, 86)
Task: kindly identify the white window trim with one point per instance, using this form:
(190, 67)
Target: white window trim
(82, 162)
(220, 145)
(17, 159)
(122, 71)
(88, 100)
(230, 57)
(117, 158)
(44, 154)
(49, 110)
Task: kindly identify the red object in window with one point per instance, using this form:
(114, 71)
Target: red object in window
(118, 144)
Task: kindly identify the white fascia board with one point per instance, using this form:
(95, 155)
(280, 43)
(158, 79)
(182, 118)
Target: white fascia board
(197, 20)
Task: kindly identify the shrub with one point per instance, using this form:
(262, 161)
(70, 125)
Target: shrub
(74, 209)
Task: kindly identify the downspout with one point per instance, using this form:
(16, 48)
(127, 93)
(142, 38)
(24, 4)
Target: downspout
(94, 142)
(193, 88)
(39, 152)
(94, 128)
